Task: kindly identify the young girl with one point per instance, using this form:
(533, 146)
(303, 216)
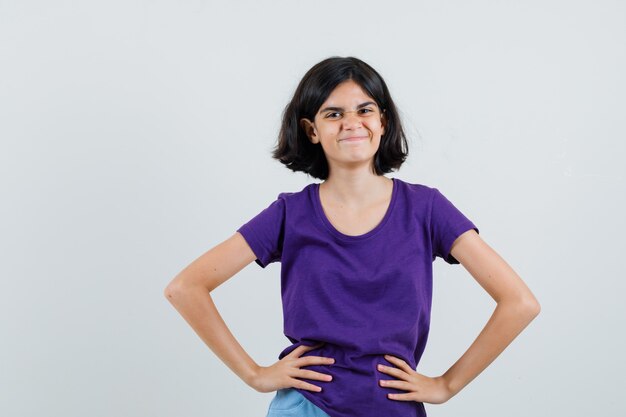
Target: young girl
(356, 253)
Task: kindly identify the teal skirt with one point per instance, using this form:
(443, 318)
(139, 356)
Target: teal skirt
(288, 402)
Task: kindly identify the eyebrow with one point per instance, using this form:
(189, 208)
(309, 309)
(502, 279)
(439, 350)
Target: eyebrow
(367, 103)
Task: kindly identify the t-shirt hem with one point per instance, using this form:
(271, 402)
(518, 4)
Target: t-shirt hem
(254, 244)
(458, 231)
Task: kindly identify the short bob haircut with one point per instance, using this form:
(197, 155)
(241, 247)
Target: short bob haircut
(294, 148)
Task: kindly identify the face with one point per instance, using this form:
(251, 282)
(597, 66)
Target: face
(348, 125)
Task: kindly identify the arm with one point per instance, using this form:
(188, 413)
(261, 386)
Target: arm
(516, 308)
(189, 293)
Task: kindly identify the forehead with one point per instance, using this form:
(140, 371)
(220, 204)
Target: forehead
(347, 92)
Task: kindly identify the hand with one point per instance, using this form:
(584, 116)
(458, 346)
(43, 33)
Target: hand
(283, 373)
(420, 387)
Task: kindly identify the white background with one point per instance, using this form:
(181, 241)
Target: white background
(136, 135)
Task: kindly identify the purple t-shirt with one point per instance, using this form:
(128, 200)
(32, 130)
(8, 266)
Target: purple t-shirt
(364, 296)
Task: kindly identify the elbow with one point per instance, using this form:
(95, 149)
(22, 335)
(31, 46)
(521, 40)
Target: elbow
(524, 307)
(530, 307)
(172, 290)
(180, 289)
(169, 292)
(536, 308)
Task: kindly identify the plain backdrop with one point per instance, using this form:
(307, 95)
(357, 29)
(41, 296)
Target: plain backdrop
(136, 135)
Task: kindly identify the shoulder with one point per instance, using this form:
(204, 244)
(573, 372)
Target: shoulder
(297, 200)
(296, 195)
(415, 190)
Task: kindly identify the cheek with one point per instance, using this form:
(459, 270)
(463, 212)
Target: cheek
(373, 126)
(329, 129)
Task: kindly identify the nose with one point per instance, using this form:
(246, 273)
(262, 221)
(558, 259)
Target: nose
(351, 120)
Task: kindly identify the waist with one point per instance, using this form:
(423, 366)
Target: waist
(355, 390)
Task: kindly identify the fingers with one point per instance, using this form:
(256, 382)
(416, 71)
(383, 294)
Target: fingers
(398, 373)
(303, 348)
(300, 361)
(309, 360)
(308, 374)
(399, 363)
(314, 360)
(402, 385)
(297, 383)
(402, 397)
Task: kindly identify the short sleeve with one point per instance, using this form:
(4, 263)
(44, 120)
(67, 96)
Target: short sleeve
(446, 224)
(264, 232)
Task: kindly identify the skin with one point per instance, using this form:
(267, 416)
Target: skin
(353, 196)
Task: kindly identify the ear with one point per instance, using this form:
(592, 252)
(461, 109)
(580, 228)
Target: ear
(383, 120)
(309, 129)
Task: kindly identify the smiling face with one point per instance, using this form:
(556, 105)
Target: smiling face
(348, 126)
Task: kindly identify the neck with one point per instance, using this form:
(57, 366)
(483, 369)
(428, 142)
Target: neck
(354, 189)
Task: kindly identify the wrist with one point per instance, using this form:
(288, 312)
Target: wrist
(447, 386)
(251, 376)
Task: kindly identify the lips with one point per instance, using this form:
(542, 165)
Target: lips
(353, 138)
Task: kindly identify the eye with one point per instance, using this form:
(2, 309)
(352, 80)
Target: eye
(331, 115)
(367, 110)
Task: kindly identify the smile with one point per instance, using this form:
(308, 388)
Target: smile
(353, 139)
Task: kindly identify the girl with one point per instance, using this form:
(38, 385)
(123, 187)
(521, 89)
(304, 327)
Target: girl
(356, 253)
